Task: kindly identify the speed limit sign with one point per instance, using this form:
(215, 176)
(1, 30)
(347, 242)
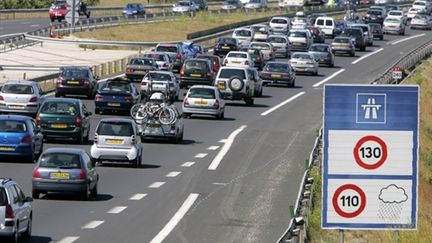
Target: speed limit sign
(397, 73)
(349, 200)
(370, 152)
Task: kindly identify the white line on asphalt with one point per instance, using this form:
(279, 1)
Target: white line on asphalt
(116, 210)
(265, 113)
(405, 39)
(173, 174)
(212, 147)
(367, 55)
(200, 155)
(229, 141)
(93, 224)
(68, 239)
(190, 200)
(222, 141)
(219, 184)
(156, 184)
(328, 78)
(138, 196)
(187, 164)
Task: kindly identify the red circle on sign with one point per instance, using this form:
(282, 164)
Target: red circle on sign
(367, 139)
(362, 200)
(397, 68)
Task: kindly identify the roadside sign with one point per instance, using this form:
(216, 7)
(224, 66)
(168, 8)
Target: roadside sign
(370, 154)
(69, 18)
(397, 73)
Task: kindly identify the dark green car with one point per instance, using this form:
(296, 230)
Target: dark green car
(64, 118)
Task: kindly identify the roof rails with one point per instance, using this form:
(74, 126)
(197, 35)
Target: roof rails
(5, 180)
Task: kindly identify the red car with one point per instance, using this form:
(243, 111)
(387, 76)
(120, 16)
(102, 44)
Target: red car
(216, 63)
(58, 12)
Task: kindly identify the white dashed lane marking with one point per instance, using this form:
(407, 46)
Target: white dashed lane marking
(93, 224)
(138, 196)
(116, 210)
(187, 164)
(68, 239)
(156, 184)
(201, 155)
(173, 174)
(212, 147)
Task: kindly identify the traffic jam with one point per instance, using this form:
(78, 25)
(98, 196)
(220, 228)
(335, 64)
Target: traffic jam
(160, 91)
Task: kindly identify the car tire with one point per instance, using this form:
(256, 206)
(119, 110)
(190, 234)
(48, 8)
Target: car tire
(331, 64)
(186, 115)
(363, 48)
(136, 162)
(260, 92)
(15, 237)
(249, 101)
(97, 111)
(382, 38)
(316, 73)
(80, 139)
(292, 84)
(35, 194)
(52, 19)
(85, 194)
(220, 116)
(27, 234)
(352, 54)
(236, 83)
(94, 191)
(58, 95)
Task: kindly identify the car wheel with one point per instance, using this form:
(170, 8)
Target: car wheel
(94, 191)
(15, 237)
(28, 232)
(136, 162)
(52, 20)
(85, 194)
(186, 115)
(332, 64)
(219, 116)
(260, 92)
(58, 95)
(249, 101)
(363, 48)
(35, 194)
(316, 73)
(97, 111)
(381, 37)
(80, 138)
(352, 54)
(292, 85)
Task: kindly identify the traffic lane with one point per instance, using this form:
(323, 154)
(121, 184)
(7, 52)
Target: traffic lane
(22, 25)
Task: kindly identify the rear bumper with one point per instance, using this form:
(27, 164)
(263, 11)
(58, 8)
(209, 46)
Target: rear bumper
(114, 154)
(203, 111)
(59, 186)
(61, 134)
(20, 150)
(234, 95)
(345, 50)
(419, 26)
(103, 106)
(277, 81)
(27, 109)
(186, 82)
(134, 76)
(8, 228)
(73, 90)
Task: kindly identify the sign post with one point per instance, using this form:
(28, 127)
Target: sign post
(370, 157)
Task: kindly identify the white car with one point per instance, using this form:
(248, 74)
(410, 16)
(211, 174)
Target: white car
(184, 7)
(421, 22)
(204, 100)
(281, 45)
(162, 60)
(261, 32)
(394, 25)
(425, 6)
(304, 62)
(238, 58)
(266, 48)
(160, 81)
(413, 12)
(280, 24)
(244, 35)
(256, 4)
(300, 39)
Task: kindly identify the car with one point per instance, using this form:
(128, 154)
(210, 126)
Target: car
(16, 211)
(261, 32)
(379, 7)
(280, 25)
(424, 6)
(368, 36)
(197, 71)
(323, 54)
(258, 82)
(396, 13)
(175, 53)
(58, 11)
(191, 49)
(344, 45)
(327, 24)
(377, 30)
(340, 26)
(304, 62)
(413, 12)
(203, 100)
(116, 95)
(231, 5)
(243, 35)
(421, 22)
(301, 21)
(357, 37)
(318, 36)
(215, 60)
(160, 81)
(138, 67)
(238, 58)
(314, 16)
(117, 139)
(277, 72)
(256, 55)
(202, 4)
(391, 7)
(20, 137)
(62, 169)
(134, 9)
(76, 81)
(236, 83)
(224, 45)
(256, 4)
(64, 118)
(394, 25)
(266, 48)
(185, 7)
(20, 96)
(162, 59)
(374, 15)
(281, 45)
(300, 40)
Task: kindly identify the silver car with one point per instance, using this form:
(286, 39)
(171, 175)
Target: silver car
(323, 54)
(16, 212)
(184, 7)
(160, 81)
(266, 49)
(421, 22)
(20, 97)
(281, 45)
(304, 63)
(162, 59)
(204, 100)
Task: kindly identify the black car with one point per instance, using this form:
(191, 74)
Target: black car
(374, 16)
(196, 71)
(356, 34)
(278, 73)
(224, 45)
(202, 4)
(377, 30)
(117, 95)
(76, 81)
(256, 55)
(175, 53)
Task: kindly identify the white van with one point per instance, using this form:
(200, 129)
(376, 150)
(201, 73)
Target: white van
(327, 24)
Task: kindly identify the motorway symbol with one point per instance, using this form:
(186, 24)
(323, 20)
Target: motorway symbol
(371, 108)
(370, 148)
(349, 201)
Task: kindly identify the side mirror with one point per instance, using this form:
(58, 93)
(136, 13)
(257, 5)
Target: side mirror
(28, 199)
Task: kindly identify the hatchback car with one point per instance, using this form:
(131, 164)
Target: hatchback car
(318, 34)
(394, 25)
(256, 55)
(64, 118)
(323, 54)
(175, 53)
(19, 136)
(116, 95)
(76, 81)
(65, 170)
(377, 31)
(243, 35)
(133, 9)
(281, 45)
(224, 45)
(357, 37)
(185, 7)
(162, 59)
(138, 67)
(117, 140)
(300, 40)
(304, 63)
(367, 34)
(203, 100)
(261, 31)
(374, 16)
(421, 22)
(196, 71)
(278, 73)
(160, 81)
(280, 25)
(58, 12)
(20, 97)
(231, 4)
(238, 58)
(266, 48)
(344, 45)
(16, 211)
(215, 60)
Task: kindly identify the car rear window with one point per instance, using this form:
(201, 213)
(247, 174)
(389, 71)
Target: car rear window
(329, 23)
(297, 34)
(301, 56)
(157, 57)
(319, 48)
(116, 86)
(59, 108)
(260, 46)
(237, 55)
(244, 33)
(3, 197)
(12, 126)
(159, 76)
(230, 41)
(229, 73)
(192, 64)
(341, 40)
(17, 89)
(320, 22)
(167, 48)
(279, 21)
(202, 93)
(75, 73)
(275, 39)
(353, 32)
(113, 128)
(277, 67)
(60, 160)
(142, 61)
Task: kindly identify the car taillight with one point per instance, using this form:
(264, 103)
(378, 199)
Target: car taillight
(9, 213)
(258, 58)
(129, 70)
(98, 97)
(178, 56)
(59, 82)
(182, 72)
(26, 139)
(225, 61)
(86, 83)
(95, 139)
(166, 65)
(209, 74)
(185, 102)
(216, 104)
(36, 173)
(82, 175)
(78, 121)
(246, 62)
(33, 99)
(309, 62)
(38, 120)
(1, 97)
(134, 140)
(144, 83)
(128, 98)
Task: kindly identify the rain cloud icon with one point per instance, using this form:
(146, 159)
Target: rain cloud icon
(393, 194)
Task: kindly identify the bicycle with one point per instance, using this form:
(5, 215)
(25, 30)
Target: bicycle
(165, 114)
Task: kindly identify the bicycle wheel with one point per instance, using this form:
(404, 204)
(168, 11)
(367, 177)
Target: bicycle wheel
(138, 112)
(167, 116)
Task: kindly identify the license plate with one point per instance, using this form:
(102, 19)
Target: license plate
(72, 82)
(7, 148)
(59, 175)
(225, 47)
(58, 125)
(276, 75)
(236, 62)
(158, 86)
(301, 69)
(201, 102)
(16, 107)
(221, 86)
(296, 44)
(114, 141)
(114, 104)
(140, 72)
(195, 75)
(153, 125)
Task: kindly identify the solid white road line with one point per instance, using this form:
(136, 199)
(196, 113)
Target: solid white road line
(187, 164)
(265, 113)
(93, 224)
(213, 148)
(116, 210)
(173, 174)
(200, 155)
(190, 200)
(367, 55)
(405, 39)
(138, 196)
(229, 141)
(156, 184)
(68, 239)
(328, 78)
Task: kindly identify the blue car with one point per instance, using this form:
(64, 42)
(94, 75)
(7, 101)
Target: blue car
(133, 9)
(116, 95)
(191, 50)
(19, 136)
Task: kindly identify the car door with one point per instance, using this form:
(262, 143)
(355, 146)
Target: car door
(176, 84)
(25, 207)
(92, 175)
(17, 206)
(36, 136)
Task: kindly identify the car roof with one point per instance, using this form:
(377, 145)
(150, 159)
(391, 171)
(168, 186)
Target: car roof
(112, 119)
(283, 36)
(163, 72)
(197, 59)
(75, 67)
(4, 181)
(68, 100)
(15, 117)
(29, 82)
(64, 150)
(234, 67)
(203, 87)
(320, 44)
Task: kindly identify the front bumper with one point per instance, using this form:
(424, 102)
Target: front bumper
(114, 154)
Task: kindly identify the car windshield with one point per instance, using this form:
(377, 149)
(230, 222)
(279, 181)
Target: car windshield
(60, 6)
(142, 61)
(229, 73)
(258, 28)
(419, 3)
(202, 93)
(279, 21)
(260, 46)
(374, 12)
(114, 128)
(60, 160)
(59, 108)
(75, 73)
(297, 34)
(159, 76)
(167, 48)
(132, 5)
(319, 48)
(230, 41)
(3, 197)
(17, 89)
(396, 13)
(183, 3)
(12, 126)
(420, 17)
(116, 86)
(353, 32)
(301, 56)
(237, 55)
(277, 67)
(274, 39)
(157, 57)
(245, 33)
(375, 26)
(192, 64)
(341, 40)
(391, 20)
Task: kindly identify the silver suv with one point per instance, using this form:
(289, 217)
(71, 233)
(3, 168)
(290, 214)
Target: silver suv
(15, 211)
(236, 83)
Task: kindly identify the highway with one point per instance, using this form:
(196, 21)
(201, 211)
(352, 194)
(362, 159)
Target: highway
(12, 26)
(174, 197)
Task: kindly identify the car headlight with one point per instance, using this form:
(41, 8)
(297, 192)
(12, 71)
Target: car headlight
(124, 11)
